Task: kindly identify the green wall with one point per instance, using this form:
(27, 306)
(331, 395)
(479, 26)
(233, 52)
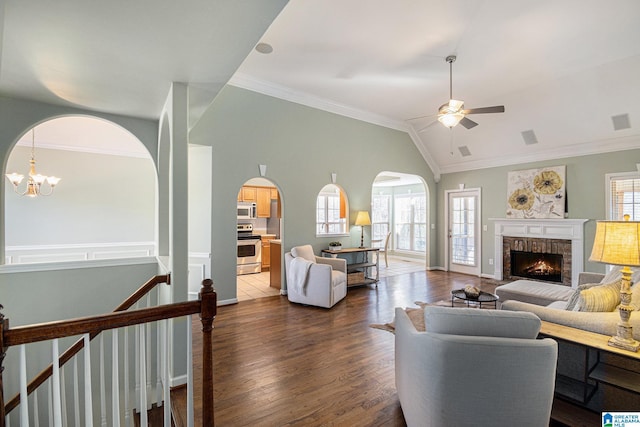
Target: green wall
(301, 147)
(585, 190)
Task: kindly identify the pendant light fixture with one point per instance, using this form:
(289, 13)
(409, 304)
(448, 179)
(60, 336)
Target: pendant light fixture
(35, 181)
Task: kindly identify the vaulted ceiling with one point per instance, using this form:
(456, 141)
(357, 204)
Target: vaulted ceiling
(567, 72)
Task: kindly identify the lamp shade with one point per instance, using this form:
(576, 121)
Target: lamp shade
(617, 242)
(363, 218)
(450, 119)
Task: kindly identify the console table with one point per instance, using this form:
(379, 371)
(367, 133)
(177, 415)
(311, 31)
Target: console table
(359, 266)
(596, 371)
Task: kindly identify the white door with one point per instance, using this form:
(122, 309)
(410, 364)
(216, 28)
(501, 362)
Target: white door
(463, 227)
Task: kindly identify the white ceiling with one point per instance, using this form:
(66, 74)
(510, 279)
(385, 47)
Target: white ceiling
(560, 68)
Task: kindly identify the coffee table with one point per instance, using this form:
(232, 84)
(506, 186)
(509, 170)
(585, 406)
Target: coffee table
(483, 298)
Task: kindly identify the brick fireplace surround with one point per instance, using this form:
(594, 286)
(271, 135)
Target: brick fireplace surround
(559, 236)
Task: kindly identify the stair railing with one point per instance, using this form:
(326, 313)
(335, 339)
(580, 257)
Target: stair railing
(90, 327)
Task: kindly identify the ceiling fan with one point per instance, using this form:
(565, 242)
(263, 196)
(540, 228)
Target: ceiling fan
(453, 112)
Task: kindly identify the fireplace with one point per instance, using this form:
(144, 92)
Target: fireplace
(558, 241)
(530, 265)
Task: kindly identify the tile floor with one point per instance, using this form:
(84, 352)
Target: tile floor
(253, 286)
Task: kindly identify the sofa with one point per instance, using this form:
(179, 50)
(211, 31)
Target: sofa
(474, 368)
(550, 303)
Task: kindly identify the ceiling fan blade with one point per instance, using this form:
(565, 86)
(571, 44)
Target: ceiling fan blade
(484, 110)
(427, 126)
(467, 123)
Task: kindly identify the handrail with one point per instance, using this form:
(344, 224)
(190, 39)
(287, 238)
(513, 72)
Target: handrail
(206, 305)
(68, 354)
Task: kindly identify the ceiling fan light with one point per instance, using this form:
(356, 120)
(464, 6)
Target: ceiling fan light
(450, 119)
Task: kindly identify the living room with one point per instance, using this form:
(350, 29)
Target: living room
(302, 146)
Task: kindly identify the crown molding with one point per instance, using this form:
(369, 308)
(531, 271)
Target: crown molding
(277, 91)
(585, 149)
(90, 150)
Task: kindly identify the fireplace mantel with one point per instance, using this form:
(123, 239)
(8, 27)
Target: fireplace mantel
(569, 229)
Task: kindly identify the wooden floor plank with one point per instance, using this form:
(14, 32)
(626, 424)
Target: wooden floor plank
(282, 364)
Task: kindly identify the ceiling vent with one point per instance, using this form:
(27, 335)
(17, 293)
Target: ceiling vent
(464, 150)
(529, 137)
(620, 122)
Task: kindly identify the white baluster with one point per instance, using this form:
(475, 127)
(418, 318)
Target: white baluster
(103, 388)
(189, 375)
(127, 400)
(115, 382)
(136, 365)
(148, 360)
(36, 416)
(63, 396)
(24, 402)
(143, 378)
(164, 354)
(88, 401)
(76, 393)
(50, 398)
(159, 357)
(7, 420)
(57, 415)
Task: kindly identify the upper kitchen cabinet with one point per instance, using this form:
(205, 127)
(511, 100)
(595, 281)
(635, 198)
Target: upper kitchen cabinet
(248, 194)
(263, 202)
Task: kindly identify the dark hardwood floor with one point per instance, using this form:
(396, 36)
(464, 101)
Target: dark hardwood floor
(283, 364)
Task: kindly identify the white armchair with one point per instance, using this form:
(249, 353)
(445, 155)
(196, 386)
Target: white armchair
(315, 280)
(474, 368)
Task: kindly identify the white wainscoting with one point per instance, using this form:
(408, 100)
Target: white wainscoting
(199, 269)
(77, 252)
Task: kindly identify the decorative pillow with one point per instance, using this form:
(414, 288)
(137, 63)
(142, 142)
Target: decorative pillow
(572, 304)
(601, 298)
(488, 323)
(304, 251)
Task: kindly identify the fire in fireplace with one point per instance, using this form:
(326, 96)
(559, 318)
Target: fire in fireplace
(541, 266)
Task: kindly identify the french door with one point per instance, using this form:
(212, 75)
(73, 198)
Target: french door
(463, 231)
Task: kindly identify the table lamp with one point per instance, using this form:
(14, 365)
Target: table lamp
(362, 219)
(618, 243)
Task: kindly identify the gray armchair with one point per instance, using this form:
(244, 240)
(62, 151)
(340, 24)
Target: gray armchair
(314, 280)
(474, 368)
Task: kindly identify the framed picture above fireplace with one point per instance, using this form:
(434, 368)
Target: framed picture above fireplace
(536, 193)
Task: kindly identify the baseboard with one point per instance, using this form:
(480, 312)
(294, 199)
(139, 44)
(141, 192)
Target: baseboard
(228, 301)
(178, 381)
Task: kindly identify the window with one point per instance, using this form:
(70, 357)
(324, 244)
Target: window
(411, 222)
(623, 196)
(331, 211)
(380, 219)
(462, 230)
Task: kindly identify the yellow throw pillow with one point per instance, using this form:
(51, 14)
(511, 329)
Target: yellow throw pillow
(601, 298)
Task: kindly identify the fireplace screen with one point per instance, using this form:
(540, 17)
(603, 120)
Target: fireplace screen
(530, 265)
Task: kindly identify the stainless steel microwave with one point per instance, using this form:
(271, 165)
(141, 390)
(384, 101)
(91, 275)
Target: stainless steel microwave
(247, 210)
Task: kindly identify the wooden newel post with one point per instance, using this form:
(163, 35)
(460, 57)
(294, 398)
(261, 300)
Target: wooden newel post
(3, 324)
(208, 307)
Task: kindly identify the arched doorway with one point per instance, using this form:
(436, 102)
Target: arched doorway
(400, 206)
(259, 248)
(92, 213)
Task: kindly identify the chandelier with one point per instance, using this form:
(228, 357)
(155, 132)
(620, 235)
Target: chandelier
(35, 182)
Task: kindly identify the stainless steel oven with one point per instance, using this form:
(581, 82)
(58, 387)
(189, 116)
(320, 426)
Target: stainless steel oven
(249, 250)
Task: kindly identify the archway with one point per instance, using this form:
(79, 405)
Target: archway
(259, 249)
(104, 206)
(400, 206)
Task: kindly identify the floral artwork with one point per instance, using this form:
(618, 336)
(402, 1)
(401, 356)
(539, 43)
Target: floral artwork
(536, 193)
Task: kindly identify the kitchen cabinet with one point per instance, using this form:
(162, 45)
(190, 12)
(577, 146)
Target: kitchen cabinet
(274, 193)
(247, 194)
(266, 250)
(263, 202)
(275, 272)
